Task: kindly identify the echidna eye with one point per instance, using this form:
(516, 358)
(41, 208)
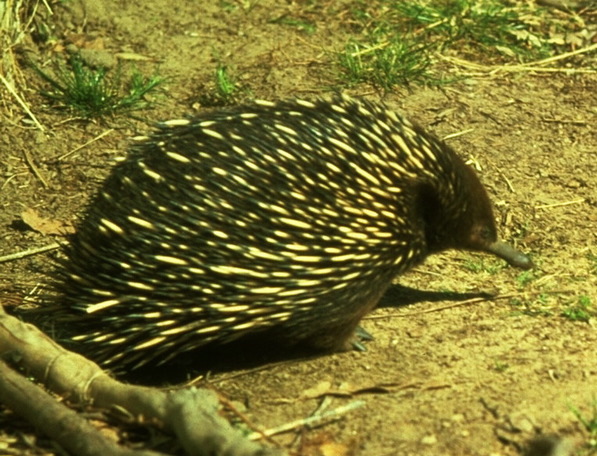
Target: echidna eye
(486, 233)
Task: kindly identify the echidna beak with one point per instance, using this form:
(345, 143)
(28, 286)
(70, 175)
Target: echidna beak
(510, 254)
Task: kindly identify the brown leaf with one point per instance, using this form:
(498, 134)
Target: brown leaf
(44, 225)
(318, 390)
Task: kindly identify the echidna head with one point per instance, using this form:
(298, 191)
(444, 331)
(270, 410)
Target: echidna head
(464, 220)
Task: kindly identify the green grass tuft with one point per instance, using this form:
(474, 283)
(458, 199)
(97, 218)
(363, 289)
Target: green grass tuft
(225, 90)
(582, 310)
(525, 278)
(480, 264)
(303, 25)
(500, 366)
(225, 84)
(385, 64)
(93, 93)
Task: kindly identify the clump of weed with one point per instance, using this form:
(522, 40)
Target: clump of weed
(500, 366)
(303, 25)
(479, 265)
(385, 63)
(226, 89)
(92, 93)
(525, 278)
(581, 310)
(536, 307)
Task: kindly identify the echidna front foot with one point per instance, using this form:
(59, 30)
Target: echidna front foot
(339, 338)
(360, 336)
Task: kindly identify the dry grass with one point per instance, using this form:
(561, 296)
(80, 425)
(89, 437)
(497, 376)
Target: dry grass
(16, 18)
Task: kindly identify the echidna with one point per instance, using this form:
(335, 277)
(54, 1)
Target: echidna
(288, 218)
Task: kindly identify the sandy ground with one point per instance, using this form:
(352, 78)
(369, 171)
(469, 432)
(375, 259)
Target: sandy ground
(444, 375)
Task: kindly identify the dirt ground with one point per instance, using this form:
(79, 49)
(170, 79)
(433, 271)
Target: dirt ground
(445, 375)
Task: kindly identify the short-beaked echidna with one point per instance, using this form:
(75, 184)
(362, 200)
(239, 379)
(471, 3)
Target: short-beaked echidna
(290, 217)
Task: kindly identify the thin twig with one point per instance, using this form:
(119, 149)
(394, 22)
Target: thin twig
(563, 56)
(21, 102)
(564, 203)
(457, 134)
(48, 7)
(245, 419)
(530, 66)
(566, 122)
(78, 148)
(458, 304)
(367, 50)
(34, 168)
(465, 303)
(545, 70)
(312, 421)
(508, 183)
(29, 252)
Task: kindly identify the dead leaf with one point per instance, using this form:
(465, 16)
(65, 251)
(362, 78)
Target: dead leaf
(45, 225)
(318, 390)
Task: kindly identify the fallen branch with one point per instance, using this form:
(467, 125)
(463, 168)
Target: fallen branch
(71, 431)
(191, 414)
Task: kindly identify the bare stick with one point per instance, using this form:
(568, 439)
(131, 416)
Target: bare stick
(29, 252)
(34, 167)
(312, 421)
(564, 203)
(508, 183)
(531, 66)
(76, 149)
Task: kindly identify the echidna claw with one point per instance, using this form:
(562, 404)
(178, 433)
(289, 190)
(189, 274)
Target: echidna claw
(360, 336)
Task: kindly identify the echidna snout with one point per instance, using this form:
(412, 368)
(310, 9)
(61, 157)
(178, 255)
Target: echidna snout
(510, 254)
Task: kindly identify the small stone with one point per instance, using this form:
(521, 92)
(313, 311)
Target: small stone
(429, 440)
(72, 48)
(239, 406)
(457, 417)
(98, 58)
(522, 422)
